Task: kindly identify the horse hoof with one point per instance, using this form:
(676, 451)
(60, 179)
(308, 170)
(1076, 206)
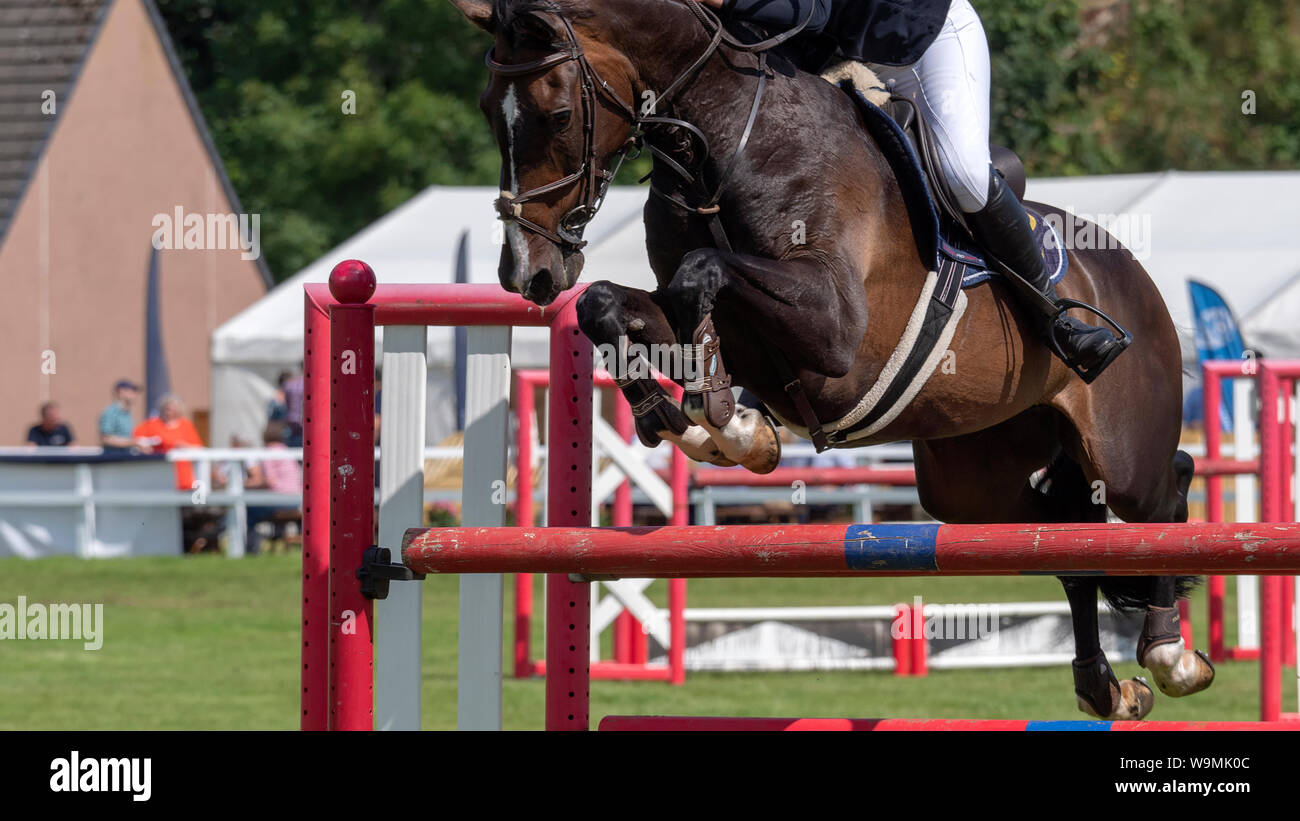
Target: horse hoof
(1179, 672)
(763, 453)
(1135, 700)
(696, 443)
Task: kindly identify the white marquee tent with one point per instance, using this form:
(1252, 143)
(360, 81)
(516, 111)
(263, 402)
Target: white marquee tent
(1238, 232)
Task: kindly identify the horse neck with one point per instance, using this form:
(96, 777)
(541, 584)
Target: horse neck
(662, 51)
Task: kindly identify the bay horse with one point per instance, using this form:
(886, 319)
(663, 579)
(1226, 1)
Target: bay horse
(775, 230)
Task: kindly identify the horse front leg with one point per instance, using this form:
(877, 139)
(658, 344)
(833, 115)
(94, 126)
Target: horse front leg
(815, 315)
(615, 318)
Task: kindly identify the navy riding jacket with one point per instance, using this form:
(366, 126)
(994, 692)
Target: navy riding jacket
(889, 32)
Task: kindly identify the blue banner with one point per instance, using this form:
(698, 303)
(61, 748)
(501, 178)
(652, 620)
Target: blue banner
(1217, 337)
(157, 383)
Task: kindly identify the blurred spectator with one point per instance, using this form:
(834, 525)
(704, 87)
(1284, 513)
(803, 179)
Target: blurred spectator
(292, 387)
(168, 430)
(278, 475)
(277, 409)
(115, 422)
(51, 430)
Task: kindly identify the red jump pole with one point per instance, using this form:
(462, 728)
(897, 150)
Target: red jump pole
(568, 603)
(352, 494)
(783, 477)
(727, 724)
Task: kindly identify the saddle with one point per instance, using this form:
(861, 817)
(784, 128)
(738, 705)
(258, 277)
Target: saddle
(951, 256)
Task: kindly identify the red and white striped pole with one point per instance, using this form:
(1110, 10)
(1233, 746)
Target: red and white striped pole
(352, 492)
(568, 460)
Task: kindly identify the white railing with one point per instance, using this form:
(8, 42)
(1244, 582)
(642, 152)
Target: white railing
(230, 463)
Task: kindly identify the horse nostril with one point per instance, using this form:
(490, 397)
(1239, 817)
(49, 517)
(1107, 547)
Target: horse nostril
(540, 285)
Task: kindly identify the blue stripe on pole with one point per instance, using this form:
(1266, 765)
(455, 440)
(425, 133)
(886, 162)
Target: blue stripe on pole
(1075, 726)
(890, 547)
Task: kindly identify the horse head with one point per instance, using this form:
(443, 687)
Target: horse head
(559, 102)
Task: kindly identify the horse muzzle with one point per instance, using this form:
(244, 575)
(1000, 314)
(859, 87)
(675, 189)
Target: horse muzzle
(541, 273)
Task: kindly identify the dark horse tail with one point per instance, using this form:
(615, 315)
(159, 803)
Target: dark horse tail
(1133, 593)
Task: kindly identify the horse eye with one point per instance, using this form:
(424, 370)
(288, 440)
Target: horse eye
(560, 119)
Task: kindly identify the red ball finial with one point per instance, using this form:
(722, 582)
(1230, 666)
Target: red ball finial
(352, 282)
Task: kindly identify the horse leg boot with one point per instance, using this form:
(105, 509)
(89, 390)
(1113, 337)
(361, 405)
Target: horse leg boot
(745, 435)
(1097, 692)
(611, 316)
(1161, 649)
(1002, 227)
(810, 308)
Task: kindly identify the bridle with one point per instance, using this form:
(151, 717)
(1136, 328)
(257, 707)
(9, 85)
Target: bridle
(594, 180)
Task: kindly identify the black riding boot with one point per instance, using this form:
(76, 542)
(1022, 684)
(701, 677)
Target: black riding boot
(1003, 229)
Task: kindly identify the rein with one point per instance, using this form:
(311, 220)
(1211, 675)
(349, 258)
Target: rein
(595, 180)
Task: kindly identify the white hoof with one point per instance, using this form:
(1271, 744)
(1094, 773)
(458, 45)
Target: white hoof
(1177, 671)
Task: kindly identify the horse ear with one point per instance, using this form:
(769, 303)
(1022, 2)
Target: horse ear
(478, 12)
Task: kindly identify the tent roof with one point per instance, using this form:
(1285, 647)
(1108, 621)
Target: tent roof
(416, 243)
(1235, 231)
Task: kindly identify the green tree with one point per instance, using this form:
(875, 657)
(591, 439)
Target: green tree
(272, 78)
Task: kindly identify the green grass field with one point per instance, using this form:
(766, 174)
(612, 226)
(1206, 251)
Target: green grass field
(208, 643)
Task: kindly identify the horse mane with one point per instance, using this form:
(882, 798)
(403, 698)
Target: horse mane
(509, 12)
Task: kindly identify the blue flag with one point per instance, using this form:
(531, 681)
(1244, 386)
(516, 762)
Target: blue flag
(157, 383)
(1217, 337)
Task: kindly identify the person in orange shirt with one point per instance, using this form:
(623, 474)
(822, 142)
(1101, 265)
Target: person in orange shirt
(170, 429)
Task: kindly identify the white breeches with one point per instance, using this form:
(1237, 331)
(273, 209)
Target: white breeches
(950, 84)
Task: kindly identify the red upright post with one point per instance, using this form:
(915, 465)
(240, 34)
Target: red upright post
(1212, 397)
(1212, 394)
(920, 645)
(1271, 448)
(523, 518)
(352, 494)
(315, 516)
(1217, 589)
(1285, 477)
(627, 629)
(677, 587)
(568, 603)
(903, 641)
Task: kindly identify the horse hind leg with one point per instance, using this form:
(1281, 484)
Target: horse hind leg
(1067, 494)
(1161, 649)
(1017, 472)
(1176, 670)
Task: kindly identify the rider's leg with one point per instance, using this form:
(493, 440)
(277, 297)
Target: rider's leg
(950, 84)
